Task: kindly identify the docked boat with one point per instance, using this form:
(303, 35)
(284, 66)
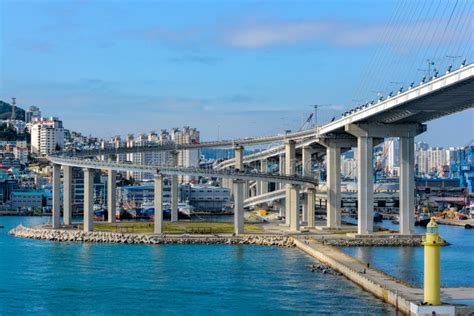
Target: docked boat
(100, 215)
(396, 221)
(422, 219)
(378, 218)
(185, 208)
(470, 210)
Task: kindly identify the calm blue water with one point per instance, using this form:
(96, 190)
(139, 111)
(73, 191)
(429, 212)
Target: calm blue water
(42, 277)
(457, 260)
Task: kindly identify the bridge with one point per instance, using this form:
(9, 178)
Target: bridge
(362, 128)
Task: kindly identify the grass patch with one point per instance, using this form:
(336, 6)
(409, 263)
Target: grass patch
(341, 232)
(174, 227)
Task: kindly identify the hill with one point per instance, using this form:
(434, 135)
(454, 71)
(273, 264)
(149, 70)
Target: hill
(6, 111)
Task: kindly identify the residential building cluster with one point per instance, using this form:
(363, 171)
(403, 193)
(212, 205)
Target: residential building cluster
(181, 158)
(430, 162)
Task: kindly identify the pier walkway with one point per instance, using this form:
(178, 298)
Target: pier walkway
(394, 291)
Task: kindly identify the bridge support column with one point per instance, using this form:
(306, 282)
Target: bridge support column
(365, 177)
(289, 170)
(174, 198)
(111, 195)
(307, 166)
(310, 199)
(88, 199)
(56, 207)
(282, 209)
(239, 207)
(67, 195)
(366, 133)
(239, 157)
(158, 201)
(333, 161)
(292, 206)
(263, 169)
(281, 165)
(304, 210)
(407, 185)
(239, 165)
(365, 185)
(174, 191)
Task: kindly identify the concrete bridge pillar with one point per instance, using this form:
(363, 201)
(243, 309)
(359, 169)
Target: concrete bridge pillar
(239, 157)
(174, 190)
(365, 185)
(67, 195)
(290, 161)
(366, 133)
(111, 195)
(174, 198)
(281, 165)
(290, 170)
(254, 190)
(239, 207)
(158, 201)
(333, 183)
(333, 162)
(239, 165)
(292, 206)
(407, 185)
(56, 207)
(282, 209)
(310, 199)
(304, 210)
(88, 199)
(263, 169)
(306, 161)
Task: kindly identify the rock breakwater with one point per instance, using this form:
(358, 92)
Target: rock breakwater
(66, 235)
(322, 268)
(374, 242)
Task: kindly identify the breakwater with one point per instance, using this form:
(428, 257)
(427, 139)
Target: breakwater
(373, 242)
(392, 241)
(66, 235)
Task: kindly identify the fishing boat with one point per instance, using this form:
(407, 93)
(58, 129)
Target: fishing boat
(378, 217)
(100, 215)
(395, 221)
(422, 219)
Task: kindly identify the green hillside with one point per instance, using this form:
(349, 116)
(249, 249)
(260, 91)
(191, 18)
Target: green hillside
(6, 111)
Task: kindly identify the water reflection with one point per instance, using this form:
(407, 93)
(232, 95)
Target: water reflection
(364, 254)
(406, 259)
(406, 263)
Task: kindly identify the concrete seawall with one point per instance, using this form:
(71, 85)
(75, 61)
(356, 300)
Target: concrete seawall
(141, 238)
(405, 298)
(319, 251)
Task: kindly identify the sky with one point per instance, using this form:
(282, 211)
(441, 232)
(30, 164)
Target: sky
(229, 68)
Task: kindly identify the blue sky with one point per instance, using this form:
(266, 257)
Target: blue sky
(242, 68)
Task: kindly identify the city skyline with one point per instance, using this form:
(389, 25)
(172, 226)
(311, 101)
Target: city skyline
(178, 62)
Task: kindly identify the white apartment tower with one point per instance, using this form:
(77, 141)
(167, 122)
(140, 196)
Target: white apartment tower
(186, 158)
(47, 135)
(393, 156)
(147, 158)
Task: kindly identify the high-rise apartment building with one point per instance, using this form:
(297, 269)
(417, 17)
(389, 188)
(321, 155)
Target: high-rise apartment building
(147, 158)
(189, 157)
(21, 151)
(32, 113)
(393, 156)
(47, 135)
